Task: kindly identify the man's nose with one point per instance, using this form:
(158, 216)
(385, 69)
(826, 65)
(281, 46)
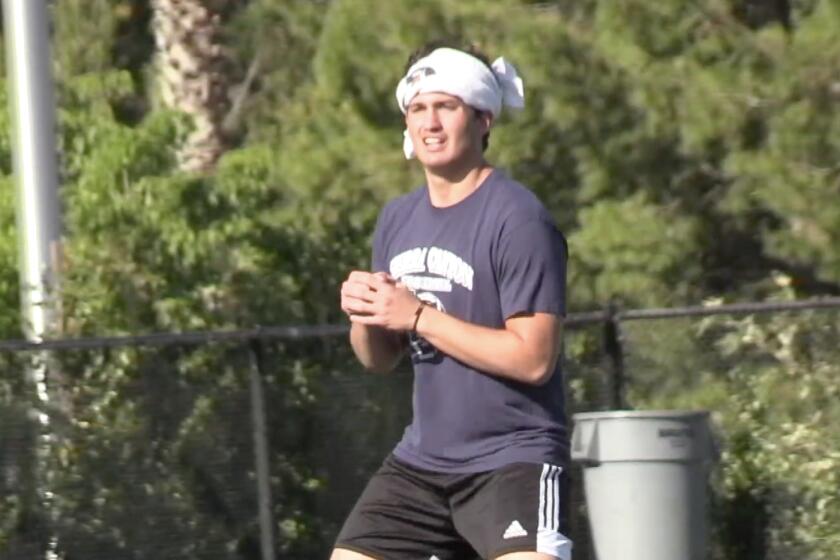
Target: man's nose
(431, 120)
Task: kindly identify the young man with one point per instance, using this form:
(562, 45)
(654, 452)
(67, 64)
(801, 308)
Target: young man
(469, 275)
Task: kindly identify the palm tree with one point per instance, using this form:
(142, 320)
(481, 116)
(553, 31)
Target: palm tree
(193, 72)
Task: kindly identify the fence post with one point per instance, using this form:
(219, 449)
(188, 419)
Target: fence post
(615, 353)
(261, 450)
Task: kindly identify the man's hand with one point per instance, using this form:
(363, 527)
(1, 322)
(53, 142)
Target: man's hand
(376, 299)
(377, 347)
(357, 291)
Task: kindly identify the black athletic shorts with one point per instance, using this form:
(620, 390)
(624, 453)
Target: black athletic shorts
(406, 513)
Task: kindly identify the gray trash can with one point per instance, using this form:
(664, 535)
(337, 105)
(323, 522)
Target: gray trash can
(645, 476)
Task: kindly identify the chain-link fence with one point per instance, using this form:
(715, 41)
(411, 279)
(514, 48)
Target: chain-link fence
(255, 444)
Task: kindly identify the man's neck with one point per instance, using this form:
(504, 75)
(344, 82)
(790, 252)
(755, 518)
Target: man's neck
(450, 188)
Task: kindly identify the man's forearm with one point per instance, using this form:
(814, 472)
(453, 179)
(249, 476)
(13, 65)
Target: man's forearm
(377, 349)
(527, 355)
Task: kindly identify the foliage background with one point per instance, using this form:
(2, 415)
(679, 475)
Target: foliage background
(689, 150)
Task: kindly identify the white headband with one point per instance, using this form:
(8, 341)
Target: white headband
(460, 74)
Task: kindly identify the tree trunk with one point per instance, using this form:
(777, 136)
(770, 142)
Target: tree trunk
(193, 75)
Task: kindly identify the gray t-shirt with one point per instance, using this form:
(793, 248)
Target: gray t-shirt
(493, 255)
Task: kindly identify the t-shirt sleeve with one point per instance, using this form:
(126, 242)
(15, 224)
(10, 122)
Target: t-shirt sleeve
(531, 269)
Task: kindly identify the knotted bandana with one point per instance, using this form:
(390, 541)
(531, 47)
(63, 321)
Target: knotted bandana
(460, 74)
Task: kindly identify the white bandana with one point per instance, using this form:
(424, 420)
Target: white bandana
(460, 74)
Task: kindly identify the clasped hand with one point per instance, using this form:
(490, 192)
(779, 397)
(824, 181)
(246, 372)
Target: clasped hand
(377, 299)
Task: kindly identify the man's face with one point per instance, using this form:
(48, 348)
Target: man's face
(445, 131)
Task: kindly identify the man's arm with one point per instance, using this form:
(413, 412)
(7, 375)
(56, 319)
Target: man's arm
(524, 350)
(378, 349)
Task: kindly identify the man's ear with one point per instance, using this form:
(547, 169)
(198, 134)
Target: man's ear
(486, 119)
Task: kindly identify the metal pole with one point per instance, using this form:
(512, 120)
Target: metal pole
(261, 451)
(36, 177)
(615, 352)
(35, 161)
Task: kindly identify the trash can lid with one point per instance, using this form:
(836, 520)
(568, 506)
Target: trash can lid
(639, 414)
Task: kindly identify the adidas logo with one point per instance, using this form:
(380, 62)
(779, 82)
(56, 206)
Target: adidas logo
(515, 529)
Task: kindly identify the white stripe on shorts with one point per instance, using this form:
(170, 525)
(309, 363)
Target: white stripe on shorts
(549, 538)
